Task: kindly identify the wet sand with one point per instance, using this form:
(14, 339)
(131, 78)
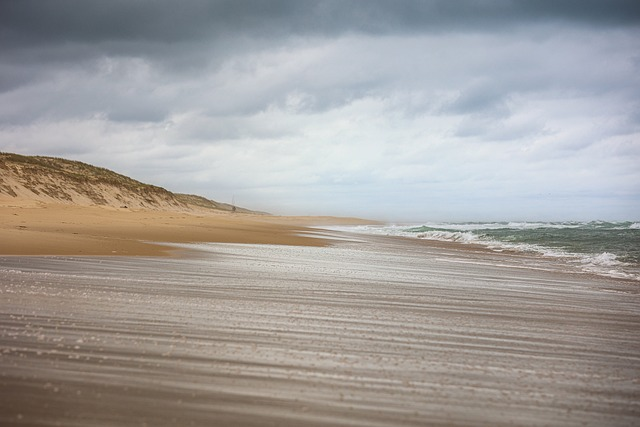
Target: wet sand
(369, 332)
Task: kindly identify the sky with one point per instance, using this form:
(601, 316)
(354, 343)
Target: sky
(431, 110)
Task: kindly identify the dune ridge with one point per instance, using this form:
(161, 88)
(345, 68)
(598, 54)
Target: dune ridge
(52, 206)
(57, 180)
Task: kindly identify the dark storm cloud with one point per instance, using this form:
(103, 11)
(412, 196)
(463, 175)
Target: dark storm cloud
(340, 95)
(34, 21)
(190, 36)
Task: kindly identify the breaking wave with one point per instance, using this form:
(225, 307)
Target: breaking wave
(609, 248)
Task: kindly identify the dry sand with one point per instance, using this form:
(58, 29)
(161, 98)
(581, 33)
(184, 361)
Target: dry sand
(37, 228)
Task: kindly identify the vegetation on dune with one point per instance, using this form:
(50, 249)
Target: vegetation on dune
(62, 180)
(202, 202)
(76, 171)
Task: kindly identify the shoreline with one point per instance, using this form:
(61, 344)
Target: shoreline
(59, 229)
(36, 228)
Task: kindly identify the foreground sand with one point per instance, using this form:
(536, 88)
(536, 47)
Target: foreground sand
(371, 332)
(36, 228)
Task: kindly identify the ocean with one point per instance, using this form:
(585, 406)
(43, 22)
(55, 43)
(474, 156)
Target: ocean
(606, 248)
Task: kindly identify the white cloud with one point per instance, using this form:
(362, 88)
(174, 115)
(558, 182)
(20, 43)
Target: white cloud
(473, 125)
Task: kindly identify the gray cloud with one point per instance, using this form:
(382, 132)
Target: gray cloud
(191, 35)
(93, 21)
(403, 106)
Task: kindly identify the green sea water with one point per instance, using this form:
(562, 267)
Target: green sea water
(610, 248)
(619, 239)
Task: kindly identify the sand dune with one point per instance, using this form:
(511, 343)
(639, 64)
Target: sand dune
(51, 206)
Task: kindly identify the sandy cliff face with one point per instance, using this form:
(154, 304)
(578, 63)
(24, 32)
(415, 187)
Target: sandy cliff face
(48, 179)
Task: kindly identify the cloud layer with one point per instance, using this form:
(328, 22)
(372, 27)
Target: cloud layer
(400, 111)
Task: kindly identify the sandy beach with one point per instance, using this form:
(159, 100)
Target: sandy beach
(34, 228)
(365, 331)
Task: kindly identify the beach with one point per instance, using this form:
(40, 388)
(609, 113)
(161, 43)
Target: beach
(34, 228)
(352, 330)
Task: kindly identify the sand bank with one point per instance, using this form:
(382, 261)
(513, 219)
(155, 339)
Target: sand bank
(35, 228)
(370, 331)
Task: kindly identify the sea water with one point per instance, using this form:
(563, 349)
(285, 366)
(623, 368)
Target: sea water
(608, 248)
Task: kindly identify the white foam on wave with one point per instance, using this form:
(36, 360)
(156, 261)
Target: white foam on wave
(604, 259)
(452, 236)
(604, 263)
(515, 225)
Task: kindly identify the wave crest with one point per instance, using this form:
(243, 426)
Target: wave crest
(453, 236)
(597, 246)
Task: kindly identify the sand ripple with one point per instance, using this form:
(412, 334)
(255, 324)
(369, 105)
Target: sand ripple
(376, 332)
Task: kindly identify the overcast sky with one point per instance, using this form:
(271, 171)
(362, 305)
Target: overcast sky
(393, 110)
